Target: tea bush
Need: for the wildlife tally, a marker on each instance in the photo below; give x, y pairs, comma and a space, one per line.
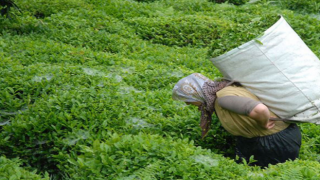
153, 157
301, 6
148, 156
207, 30
86, 88
10, 169
42, 8
236, 2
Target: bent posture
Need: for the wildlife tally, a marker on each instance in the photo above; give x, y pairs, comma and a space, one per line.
244, 116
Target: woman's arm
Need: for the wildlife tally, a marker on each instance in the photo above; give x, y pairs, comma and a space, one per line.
246, 106
261, 113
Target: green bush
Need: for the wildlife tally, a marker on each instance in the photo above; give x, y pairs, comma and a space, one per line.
10, 169
303, 6
96, 76
145, 0
203, 31
145, 156
151, 157
236, 2
42, 8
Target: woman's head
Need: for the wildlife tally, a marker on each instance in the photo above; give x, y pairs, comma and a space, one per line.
189, 89
199, 90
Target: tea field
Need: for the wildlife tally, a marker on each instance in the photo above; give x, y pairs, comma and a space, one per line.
85, 88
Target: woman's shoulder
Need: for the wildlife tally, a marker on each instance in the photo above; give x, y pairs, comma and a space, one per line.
235, 91
232, 89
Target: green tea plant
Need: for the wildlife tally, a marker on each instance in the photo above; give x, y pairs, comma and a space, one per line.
5, 6
236, 2
10, 169
302, 6
149, 156
86, 88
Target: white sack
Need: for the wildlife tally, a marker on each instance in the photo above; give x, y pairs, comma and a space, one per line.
282, 72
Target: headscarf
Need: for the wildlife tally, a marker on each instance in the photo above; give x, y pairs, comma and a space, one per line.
189, 89
198, 88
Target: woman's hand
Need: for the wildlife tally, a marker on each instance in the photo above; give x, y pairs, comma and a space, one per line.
270, 124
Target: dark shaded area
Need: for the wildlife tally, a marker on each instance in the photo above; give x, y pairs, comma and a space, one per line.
6, 5
235, 2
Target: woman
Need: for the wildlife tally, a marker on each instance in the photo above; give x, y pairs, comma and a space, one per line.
244, 116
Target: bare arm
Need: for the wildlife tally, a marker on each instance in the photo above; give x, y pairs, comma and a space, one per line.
262, 115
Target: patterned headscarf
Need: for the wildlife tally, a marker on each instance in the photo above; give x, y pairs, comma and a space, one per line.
198, 88
189, 89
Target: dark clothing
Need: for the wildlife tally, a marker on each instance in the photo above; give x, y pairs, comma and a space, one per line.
271, 149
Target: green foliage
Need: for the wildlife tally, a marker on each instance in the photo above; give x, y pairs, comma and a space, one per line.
145, 0
178, 31
142, 156
42, 8
211, 29
302, 6
10, 169
86, 88
235, 2
291, 170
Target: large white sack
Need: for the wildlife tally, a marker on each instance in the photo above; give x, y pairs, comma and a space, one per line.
282, 72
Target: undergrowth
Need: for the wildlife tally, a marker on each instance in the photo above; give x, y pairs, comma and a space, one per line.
86, 89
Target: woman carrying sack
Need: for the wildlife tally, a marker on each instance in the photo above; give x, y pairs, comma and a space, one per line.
244, 116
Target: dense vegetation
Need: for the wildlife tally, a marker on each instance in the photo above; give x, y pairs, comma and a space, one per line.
86, 89
302, 6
